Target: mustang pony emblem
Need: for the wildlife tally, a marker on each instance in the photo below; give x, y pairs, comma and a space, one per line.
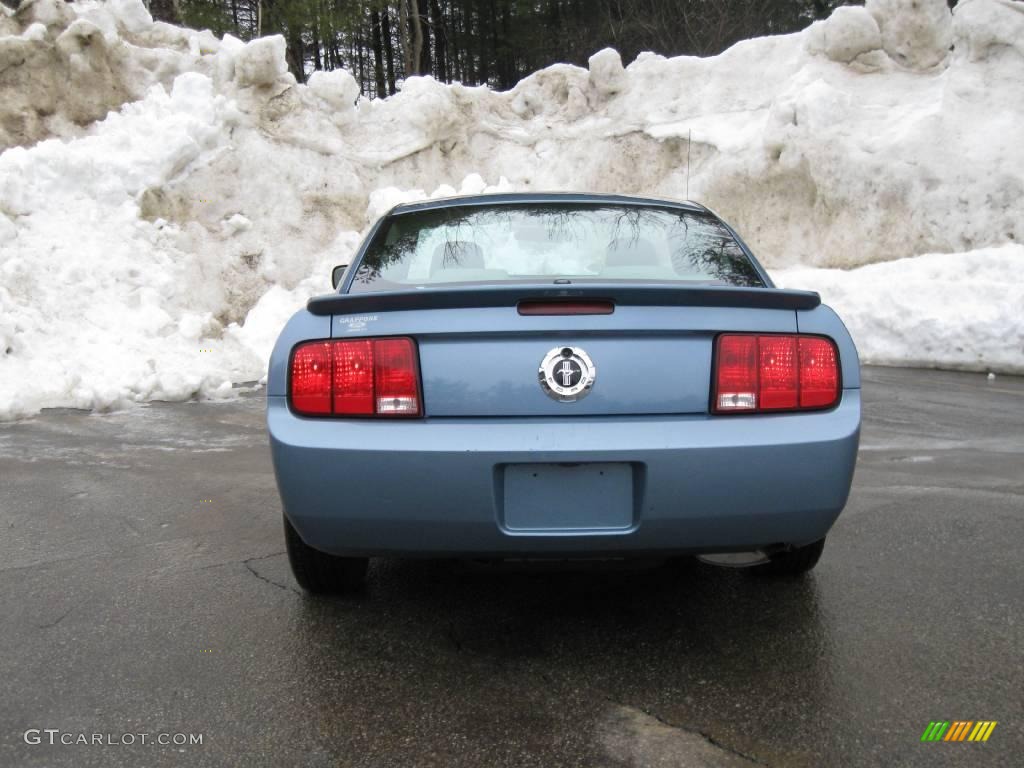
566, 374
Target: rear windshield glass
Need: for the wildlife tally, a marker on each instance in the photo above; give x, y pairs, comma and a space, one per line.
541, 243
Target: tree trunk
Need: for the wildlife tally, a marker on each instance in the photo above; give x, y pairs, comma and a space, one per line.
317, 62
483, 70
403, 37
456, 70
378, 55
364, 85
416, 54
336, 60
296, 55
467, 61
389, 51
440, 41
499, 48
425, 67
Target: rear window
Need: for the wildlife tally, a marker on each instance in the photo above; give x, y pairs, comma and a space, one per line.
540, 243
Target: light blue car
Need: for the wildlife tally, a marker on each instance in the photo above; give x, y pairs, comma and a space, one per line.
530, 376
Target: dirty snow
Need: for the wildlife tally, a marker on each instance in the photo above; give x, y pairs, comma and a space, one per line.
168, 199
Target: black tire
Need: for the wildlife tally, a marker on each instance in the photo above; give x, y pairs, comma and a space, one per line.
792, 562
320, 573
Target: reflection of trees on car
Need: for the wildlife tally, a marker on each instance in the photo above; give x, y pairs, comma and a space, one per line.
689, 245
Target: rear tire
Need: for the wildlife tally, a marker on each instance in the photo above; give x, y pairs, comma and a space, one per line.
320, 573
792, 562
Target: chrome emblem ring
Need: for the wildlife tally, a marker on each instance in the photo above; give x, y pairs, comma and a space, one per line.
567, 374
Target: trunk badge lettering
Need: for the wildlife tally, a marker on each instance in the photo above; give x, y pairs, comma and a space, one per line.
354, 323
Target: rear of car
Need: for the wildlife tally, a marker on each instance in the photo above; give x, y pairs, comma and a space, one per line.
559, 376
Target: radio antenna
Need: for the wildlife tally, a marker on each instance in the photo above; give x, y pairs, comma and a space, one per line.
689, 140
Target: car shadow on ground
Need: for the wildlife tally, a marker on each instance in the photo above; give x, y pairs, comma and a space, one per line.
683, 641
512, 610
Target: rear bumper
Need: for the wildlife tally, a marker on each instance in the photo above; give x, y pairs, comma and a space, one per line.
435, 487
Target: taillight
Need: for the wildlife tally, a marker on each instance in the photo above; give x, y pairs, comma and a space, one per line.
819, 372
353, 391
777, 374
355, 377
736, 386
310, 382
396, 378
774, 372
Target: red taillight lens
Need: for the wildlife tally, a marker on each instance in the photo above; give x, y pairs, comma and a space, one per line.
355, 377
778, 373
774, 372
819, 372
310, 381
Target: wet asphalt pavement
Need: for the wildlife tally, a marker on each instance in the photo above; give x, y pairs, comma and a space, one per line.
144, 589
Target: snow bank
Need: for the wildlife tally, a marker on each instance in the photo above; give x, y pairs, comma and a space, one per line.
167, 199
914, 33
63, 67
955, 310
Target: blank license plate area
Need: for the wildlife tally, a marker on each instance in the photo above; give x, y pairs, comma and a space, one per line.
568, 497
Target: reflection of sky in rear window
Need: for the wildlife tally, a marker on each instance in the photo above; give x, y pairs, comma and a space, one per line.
519, 251
550, 241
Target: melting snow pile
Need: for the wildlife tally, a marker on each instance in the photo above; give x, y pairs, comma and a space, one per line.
167, 199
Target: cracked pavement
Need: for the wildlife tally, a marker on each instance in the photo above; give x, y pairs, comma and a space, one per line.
129, 605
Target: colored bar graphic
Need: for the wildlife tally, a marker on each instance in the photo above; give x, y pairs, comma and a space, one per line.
959, 730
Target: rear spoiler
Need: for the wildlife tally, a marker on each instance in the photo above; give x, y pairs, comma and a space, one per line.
510, 295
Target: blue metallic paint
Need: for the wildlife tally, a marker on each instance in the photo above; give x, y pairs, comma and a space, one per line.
591, 496
674, 370
432, 487
506, 320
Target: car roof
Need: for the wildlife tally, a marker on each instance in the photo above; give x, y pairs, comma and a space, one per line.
512, 198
